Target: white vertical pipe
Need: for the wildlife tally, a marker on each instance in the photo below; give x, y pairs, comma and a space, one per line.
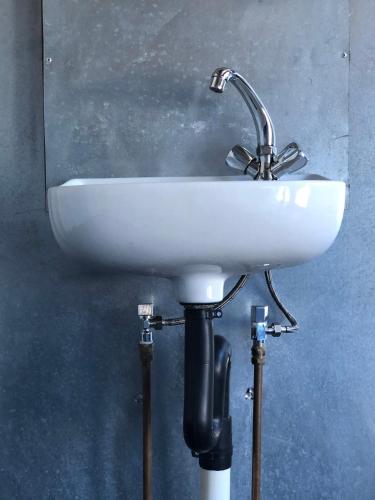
215, 484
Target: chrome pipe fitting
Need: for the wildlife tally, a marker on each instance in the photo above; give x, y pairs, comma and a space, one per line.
145, 314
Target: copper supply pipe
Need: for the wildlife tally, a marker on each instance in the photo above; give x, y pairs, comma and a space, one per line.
146, 354
258, 359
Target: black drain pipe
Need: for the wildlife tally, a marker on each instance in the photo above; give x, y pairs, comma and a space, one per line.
220, 456
200, 431
207, 424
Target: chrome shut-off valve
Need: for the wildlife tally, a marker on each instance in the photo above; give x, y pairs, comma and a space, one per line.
145, 315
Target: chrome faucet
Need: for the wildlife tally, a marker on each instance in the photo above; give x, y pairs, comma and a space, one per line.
265, 164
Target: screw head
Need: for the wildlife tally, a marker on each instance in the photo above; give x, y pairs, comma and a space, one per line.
138, 398
249, 394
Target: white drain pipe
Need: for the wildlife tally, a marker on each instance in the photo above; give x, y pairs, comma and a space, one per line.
215, 484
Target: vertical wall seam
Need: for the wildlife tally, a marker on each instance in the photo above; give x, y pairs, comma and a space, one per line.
43, 107
349, 82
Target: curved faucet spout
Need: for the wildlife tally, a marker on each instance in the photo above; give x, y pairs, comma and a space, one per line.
262, 120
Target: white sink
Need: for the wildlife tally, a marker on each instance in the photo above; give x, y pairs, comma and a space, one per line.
197, 230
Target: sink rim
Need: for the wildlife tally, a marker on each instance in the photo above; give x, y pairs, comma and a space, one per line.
101, 181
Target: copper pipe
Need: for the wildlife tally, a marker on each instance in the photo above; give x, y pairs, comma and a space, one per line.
258, 359
146, 354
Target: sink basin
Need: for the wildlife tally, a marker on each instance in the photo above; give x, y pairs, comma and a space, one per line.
196, 230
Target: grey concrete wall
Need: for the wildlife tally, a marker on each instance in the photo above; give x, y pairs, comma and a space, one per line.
69, 375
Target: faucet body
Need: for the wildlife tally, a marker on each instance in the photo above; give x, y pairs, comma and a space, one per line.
266, 165
265, 130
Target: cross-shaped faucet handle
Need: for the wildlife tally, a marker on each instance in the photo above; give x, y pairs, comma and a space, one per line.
289, 160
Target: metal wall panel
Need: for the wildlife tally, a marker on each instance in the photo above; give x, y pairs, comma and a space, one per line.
127, 83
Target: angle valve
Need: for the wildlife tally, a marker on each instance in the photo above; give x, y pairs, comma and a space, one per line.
260, 327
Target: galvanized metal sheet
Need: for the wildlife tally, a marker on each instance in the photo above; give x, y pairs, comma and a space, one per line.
126, 83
